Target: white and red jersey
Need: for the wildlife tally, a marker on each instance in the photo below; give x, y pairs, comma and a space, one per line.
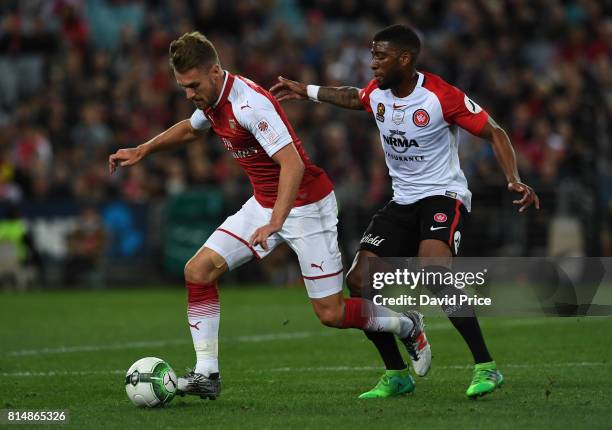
419, 136
253, 127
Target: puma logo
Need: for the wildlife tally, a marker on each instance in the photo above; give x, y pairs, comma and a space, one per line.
194, 325
245, 106
422, 340
318, 266
172, 382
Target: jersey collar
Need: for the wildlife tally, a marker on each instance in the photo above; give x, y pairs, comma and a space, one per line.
419, 83
227, 86
421, 80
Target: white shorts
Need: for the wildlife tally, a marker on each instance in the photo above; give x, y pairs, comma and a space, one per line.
309, 230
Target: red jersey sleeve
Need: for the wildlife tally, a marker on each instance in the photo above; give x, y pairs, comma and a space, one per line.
457, 107
364, 94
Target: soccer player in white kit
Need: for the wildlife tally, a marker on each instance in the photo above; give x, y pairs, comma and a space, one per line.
418, 115
293, 202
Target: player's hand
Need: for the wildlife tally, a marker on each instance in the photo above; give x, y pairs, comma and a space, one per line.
125, 157
260, 236
286, 89
529, 196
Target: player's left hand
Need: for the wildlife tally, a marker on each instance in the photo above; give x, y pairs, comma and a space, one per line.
529, 196
260, 236
125, 157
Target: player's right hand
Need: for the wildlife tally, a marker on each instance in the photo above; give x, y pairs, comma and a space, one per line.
286, 89
529, 197
125, 157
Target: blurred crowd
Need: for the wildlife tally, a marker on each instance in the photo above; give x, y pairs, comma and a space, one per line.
82, 78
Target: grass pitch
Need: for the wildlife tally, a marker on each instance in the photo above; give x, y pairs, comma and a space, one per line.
282, 369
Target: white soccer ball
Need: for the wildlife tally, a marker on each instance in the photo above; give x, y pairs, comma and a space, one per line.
150, 382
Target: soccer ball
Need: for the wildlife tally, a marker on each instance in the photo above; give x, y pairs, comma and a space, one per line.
150, 382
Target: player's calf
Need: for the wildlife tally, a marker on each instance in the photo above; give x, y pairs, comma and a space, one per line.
354, 312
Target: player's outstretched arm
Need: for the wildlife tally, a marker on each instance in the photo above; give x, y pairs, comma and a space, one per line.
507, 160
346, 97
177, 135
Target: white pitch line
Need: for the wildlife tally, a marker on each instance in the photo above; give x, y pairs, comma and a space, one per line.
280, 336
94, 348
439, 325
160, 343
448, 367
52, 373
62, 373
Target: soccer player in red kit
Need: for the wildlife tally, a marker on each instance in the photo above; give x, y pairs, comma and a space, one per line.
418, 115
293, 202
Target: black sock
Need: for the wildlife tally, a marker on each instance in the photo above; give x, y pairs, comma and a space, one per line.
384, 342
387, 348
469, 329
466, 324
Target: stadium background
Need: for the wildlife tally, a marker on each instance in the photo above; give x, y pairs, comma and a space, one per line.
80, 79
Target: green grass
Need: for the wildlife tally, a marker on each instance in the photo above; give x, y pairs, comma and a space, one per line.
558, 371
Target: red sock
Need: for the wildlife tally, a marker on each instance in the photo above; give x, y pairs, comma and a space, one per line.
354, 315
203, 319
202, 300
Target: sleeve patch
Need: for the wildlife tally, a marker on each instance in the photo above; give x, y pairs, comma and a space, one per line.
267, 132
471, 105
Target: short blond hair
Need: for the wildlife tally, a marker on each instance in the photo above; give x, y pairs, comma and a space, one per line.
192, 50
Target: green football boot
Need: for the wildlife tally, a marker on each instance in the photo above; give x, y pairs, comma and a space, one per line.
485, 380
392, 383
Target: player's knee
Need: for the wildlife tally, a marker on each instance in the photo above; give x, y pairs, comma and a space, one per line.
331, 316
200, 271
355, 282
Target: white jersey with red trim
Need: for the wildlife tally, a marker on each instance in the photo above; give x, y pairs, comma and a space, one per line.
253, 127
419, 136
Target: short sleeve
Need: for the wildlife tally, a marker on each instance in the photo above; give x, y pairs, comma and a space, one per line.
199, 121
457, 107
466, 113
364, 94
265, 124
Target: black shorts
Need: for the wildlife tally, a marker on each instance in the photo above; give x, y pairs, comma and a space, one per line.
397, 230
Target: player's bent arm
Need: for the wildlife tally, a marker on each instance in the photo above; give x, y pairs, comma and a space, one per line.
179, 134
507, 160
502, 148
346, 97
291, 173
